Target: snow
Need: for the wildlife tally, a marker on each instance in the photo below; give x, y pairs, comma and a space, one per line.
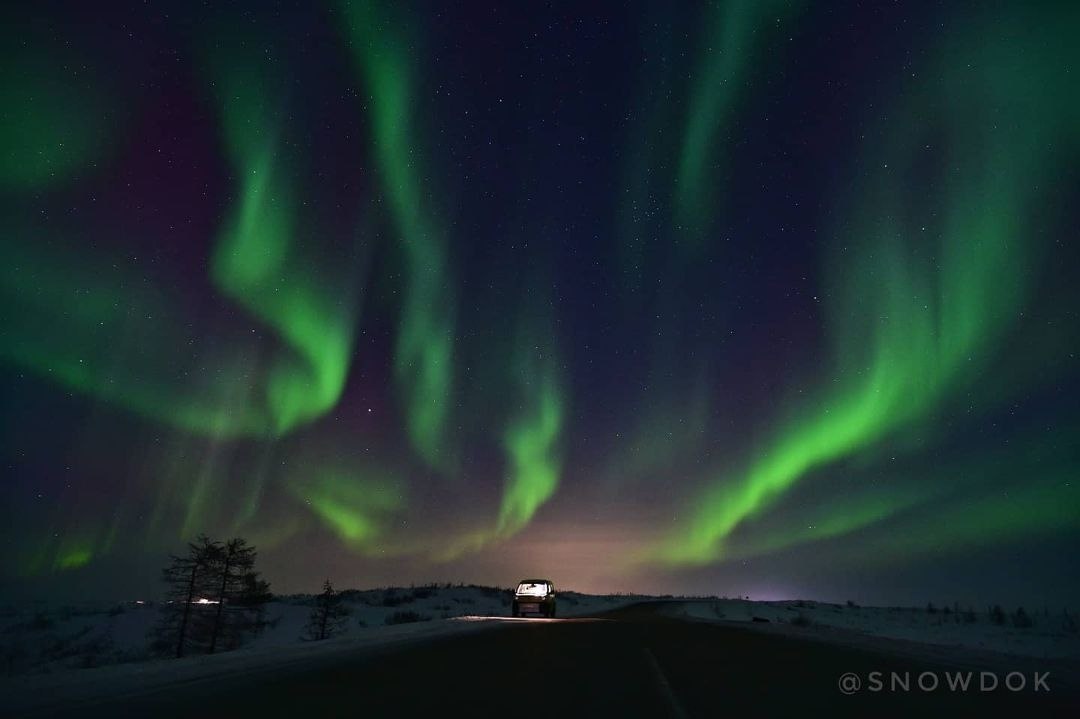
1050, 636
52, 655
48, 682
38, 638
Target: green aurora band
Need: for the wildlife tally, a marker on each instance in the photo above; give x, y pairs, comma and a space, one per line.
257, 262
116, 341
916, 323
736, 30
425, 346
680, 125
672, 189
55, 123
933, 268
531, 440
73, 547
353, 505
934, 508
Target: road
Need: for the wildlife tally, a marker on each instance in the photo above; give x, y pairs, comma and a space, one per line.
627, 664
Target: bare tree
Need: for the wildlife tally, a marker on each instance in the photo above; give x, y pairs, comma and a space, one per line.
189, 580
214, 596
233, 561
327, 615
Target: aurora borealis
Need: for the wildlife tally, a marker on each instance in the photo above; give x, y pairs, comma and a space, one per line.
769, 298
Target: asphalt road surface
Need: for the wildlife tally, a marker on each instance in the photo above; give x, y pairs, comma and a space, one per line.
634, 663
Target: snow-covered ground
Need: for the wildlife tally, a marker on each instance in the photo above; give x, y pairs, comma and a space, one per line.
38, 638
76, 655
1051, 635
45, 692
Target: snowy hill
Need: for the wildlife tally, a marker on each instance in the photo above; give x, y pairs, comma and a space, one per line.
38, 637
1042, 634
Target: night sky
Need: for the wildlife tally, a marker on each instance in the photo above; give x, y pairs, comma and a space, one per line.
763, 298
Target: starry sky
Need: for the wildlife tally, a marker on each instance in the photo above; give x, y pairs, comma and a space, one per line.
756, 297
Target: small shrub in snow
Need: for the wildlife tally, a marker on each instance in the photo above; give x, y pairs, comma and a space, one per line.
801, 620
425, 592
93, 657
41, 622
85, 648
328, 615
392, 599
996, 614
12, 657
406, 616
852, 605
1021, 619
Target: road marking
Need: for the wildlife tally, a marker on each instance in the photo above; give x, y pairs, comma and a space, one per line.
676, 709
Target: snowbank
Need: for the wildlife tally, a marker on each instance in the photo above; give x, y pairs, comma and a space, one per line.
119, 663
76, 653
1049, 636
37, 638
